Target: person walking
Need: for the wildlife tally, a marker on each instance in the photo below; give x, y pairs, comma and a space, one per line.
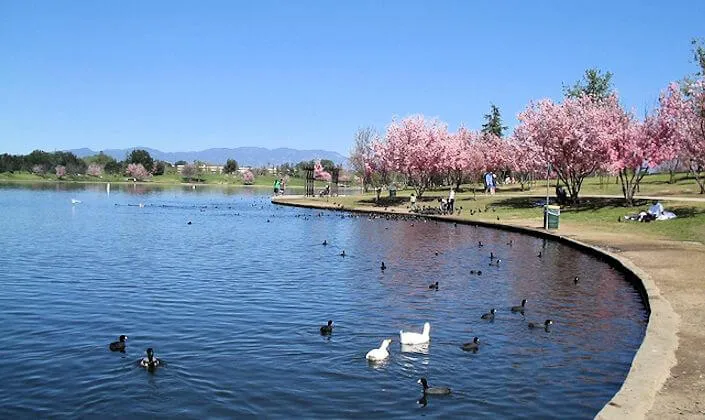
488, 182
451, 200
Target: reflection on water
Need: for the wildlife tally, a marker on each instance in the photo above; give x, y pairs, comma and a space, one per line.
235, 303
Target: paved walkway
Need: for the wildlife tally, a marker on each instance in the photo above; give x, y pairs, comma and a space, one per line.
667, 377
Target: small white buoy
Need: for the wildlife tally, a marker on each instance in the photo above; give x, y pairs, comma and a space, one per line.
74, 201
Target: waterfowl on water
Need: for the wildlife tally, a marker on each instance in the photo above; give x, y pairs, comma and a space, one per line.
472, 346
150, 361
416, 338
540, 254
492, 255
521, 307
189, 222
479, 244
327, 329
433, 286
118, 345
342, 254
325, 242
576, 280
545, 325
383, 267
496, 263
489, 315
436, 390
381, 353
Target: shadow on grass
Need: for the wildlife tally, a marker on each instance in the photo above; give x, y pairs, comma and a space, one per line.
595, 204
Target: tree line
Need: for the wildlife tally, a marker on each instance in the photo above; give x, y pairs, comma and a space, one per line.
589, 132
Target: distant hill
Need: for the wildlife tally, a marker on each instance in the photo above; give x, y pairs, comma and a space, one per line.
245, 156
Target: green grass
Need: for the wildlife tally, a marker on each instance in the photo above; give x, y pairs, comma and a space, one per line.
166, 179
604, 214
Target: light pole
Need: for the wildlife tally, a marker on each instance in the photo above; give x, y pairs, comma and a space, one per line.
545, 214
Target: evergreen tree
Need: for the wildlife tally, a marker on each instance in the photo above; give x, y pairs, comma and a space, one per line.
494, 122
594, 84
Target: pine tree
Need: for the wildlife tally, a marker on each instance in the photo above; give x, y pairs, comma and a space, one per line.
494, 122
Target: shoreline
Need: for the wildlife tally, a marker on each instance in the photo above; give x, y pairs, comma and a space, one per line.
650, 389
166, 184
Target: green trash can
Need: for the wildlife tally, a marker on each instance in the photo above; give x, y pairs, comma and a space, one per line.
392, 191
551, 216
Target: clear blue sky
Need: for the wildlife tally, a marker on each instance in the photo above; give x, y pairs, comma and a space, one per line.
188, 75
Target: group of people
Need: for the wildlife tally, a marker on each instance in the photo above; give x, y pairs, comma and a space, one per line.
655, 212
279, 186
490, 181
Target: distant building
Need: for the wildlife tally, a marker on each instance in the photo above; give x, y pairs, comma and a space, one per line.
211, 169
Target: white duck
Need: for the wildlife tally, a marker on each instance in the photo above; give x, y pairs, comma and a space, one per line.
376, 355
416, 338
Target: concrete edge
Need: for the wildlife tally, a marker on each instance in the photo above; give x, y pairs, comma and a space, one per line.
652, 363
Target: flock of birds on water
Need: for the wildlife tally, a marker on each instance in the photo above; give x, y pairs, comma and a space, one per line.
414, 338
381, 353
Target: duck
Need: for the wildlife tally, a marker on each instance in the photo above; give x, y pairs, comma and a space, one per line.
520, 308
383, 267
511, 242
496, 263
416, 338
189, 223
489, 315
576, 280
479, 272
472, 346
479, 244
545, 324
150, 361
492, 255
342, 254
540, 254
472, 271
436, 390
118, 345
325, 242
433, 286
327, 329
379, 354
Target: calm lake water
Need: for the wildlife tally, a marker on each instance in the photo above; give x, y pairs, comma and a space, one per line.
233, 304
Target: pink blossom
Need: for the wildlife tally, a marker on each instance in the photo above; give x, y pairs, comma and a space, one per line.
137, 171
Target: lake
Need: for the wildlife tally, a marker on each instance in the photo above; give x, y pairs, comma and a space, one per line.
233, 302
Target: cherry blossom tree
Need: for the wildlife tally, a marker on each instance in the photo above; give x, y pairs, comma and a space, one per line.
414, 148
524, 162
319, 173
38, 169
682, 117
94, 169
571, 136
248, 178
138, 171
60, 171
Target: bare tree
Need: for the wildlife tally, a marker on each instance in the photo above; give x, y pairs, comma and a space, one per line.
362, 153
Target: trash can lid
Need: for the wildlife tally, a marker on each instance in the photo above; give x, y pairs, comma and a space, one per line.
554, 207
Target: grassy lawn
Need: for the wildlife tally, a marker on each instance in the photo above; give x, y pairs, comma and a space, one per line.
653, 184
210, 179
598, 213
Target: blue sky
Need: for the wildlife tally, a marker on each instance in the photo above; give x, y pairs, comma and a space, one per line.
189, 75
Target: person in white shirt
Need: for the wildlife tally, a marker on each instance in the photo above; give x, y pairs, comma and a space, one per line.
451, 200
656, 209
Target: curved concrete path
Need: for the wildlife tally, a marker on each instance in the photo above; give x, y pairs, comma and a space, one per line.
667, 376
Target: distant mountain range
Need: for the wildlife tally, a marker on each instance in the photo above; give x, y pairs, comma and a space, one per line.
245, 156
